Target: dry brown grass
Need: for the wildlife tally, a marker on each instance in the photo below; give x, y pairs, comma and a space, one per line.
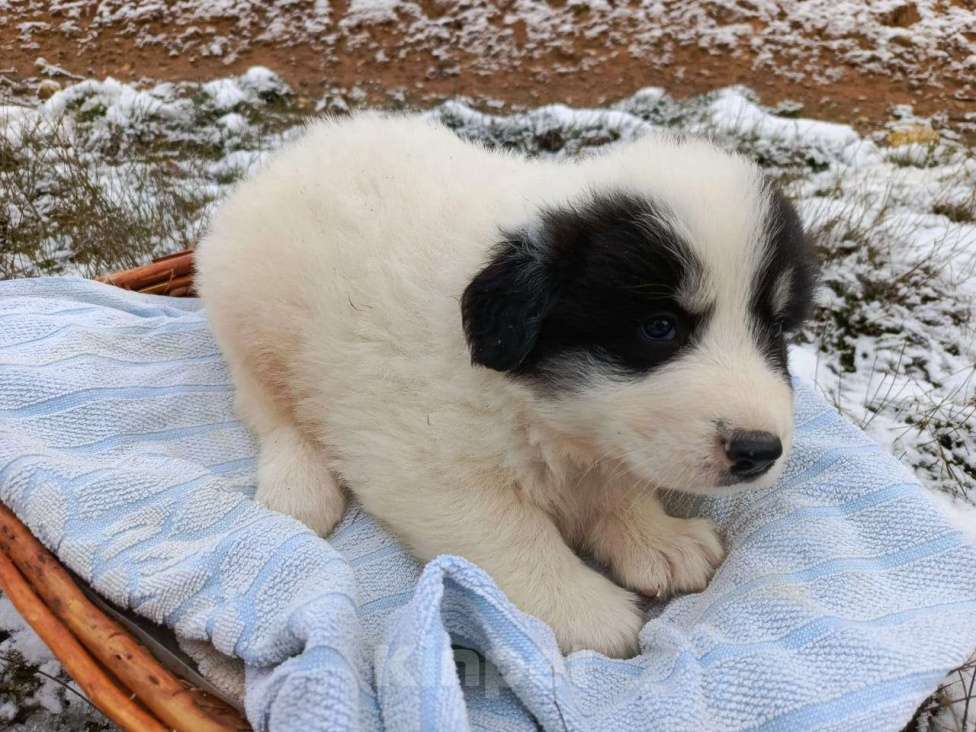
63, 209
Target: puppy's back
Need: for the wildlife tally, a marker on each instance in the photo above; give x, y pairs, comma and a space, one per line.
345, 193
344, 258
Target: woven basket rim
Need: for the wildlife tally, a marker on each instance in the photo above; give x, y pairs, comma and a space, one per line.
170, 275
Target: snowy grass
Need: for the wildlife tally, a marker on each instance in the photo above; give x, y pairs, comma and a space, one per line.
62, 208
104, 176
953, 707
35, 693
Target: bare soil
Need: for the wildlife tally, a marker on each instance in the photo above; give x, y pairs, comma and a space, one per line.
580, 65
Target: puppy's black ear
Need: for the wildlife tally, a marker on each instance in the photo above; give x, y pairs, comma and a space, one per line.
793, 247
505, 304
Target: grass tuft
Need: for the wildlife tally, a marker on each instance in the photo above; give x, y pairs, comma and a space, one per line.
952, 708
64, 210
958, 211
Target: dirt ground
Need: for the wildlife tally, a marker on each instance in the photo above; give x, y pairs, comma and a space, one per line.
501, 52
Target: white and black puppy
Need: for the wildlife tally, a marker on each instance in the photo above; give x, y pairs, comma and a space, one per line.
506, 359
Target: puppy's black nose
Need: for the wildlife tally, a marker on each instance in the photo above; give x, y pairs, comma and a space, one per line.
752, 453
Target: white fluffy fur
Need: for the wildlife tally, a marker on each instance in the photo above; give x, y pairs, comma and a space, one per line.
332, 281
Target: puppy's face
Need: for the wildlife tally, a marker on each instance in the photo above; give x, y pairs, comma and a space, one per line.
651, 331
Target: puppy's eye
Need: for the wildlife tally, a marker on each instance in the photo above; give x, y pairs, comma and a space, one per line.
660, 328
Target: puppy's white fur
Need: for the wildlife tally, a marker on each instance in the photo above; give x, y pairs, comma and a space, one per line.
332, 280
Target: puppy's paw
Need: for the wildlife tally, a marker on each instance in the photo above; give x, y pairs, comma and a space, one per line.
681, 557
600, 616
293, 479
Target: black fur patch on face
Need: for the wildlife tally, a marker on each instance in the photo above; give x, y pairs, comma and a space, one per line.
595, 284
782, 295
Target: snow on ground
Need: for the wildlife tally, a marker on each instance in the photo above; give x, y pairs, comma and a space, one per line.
892, 343
816, 40
35, 694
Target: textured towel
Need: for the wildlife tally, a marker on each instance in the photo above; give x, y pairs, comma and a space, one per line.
845, 598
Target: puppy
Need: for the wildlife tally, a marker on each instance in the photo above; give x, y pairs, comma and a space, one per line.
507, 359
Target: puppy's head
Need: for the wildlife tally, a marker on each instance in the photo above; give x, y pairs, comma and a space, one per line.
649, 321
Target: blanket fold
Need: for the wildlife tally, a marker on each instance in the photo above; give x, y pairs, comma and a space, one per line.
845, 599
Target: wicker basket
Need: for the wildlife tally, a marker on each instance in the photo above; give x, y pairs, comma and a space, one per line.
119, 675
170, 275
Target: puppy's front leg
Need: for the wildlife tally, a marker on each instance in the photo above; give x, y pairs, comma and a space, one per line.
650, 551
520, 547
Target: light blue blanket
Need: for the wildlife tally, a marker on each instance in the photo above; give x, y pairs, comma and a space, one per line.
845, 598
